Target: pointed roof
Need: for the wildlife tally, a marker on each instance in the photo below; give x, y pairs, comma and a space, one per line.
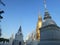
39, 16
20, 29
46, 15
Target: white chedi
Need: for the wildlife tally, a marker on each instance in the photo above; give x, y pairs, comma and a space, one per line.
11, 39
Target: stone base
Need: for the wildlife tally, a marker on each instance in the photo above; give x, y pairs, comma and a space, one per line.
49, 43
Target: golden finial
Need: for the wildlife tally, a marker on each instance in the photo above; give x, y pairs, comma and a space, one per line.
39, 15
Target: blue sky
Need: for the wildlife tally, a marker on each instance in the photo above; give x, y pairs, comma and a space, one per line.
25, 13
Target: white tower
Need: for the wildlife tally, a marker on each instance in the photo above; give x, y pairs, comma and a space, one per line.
11, 39
18, 38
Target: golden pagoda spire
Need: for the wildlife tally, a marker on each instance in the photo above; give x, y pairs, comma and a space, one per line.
39, 25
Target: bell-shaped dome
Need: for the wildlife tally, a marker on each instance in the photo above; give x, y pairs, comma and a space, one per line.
48, 22
47, 19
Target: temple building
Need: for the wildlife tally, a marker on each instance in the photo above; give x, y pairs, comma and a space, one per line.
47, 32
50, 31
18, 38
